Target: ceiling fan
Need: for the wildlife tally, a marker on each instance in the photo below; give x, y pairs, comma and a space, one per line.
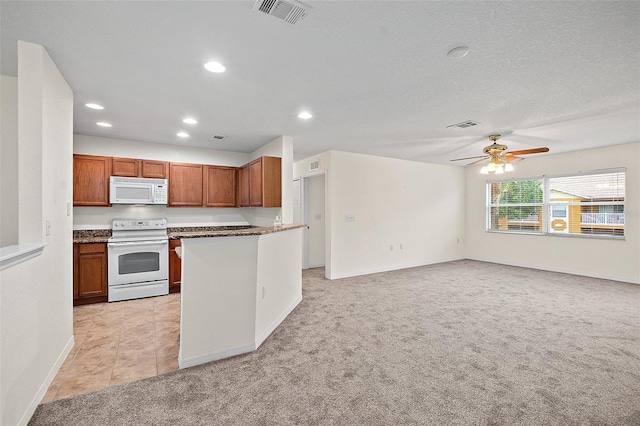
499, 158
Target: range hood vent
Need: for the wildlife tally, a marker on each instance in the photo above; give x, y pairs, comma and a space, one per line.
290, 11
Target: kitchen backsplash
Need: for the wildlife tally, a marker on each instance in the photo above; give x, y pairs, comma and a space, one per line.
101, 217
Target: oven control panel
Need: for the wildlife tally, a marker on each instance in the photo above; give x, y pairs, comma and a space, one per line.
138, 224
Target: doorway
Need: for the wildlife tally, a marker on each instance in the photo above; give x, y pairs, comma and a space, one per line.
310, 208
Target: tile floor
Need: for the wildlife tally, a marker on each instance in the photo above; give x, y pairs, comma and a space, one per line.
119, 342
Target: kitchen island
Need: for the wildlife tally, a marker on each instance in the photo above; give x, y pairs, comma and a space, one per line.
238, 285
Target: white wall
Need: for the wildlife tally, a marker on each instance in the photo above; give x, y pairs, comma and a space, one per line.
235, 292
394, 202
93, 145
101, 217
8, 161
36, 295
282, 147
602, 258
301, 169
279, 280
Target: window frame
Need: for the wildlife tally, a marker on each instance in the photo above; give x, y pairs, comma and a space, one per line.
490, 206
547, 205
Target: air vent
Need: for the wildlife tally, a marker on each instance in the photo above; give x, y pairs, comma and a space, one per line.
314, 165
218, 137
464, 124
290, 11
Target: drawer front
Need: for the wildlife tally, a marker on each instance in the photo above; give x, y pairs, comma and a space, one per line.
93, 248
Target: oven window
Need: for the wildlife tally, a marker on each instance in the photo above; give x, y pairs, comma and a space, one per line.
135, 263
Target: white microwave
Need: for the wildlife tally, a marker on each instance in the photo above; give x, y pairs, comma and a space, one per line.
123, 190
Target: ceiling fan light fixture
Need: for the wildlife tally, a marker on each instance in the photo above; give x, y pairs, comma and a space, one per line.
484, 170
491, 167
499, 169
508, 167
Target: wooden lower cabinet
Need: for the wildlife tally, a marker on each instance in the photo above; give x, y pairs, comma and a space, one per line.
89, 273
175, 267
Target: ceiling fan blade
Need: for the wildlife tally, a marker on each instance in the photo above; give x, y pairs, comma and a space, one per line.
528, 151
478, 161
513, 158
471, 158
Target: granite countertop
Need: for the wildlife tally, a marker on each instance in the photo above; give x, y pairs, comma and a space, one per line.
102, 235
91, 236
225, 231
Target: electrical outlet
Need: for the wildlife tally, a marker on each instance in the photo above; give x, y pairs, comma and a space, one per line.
401, 246
391, 247
264, 292
68, 208
350, 217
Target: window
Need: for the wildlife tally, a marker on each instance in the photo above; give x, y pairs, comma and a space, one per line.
585, 205
516, 205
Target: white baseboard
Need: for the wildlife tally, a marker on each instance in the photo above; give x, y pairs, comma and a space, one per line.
277, 322
388, 269
560, 270
238, 350
47, 382
202, 359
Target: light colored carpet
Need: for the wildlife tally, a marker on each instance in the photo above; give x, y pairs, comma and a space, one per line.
458, 343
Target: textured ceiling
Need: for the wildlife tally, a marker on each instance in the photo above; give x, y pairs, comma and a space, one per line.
375, 75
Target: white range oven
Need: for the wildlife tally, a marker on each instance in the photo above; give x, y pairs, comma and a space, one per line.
138, 259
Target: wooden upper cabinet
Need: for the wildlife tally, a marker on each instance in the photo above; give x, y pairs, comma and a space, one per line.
132, 167
154, 169
91, 180
125, 167
220, 186
243, 186
255, 183
265, 182
185, 185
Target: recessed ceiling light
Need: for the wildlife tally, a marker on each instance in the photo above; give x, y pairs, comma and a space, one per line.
103, 124
216, 67
305, 115
183, 134
94, 106
458, 52
190, 120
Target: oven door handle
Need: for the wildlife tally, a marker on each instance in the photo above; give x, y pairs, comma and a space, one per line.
137, 243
